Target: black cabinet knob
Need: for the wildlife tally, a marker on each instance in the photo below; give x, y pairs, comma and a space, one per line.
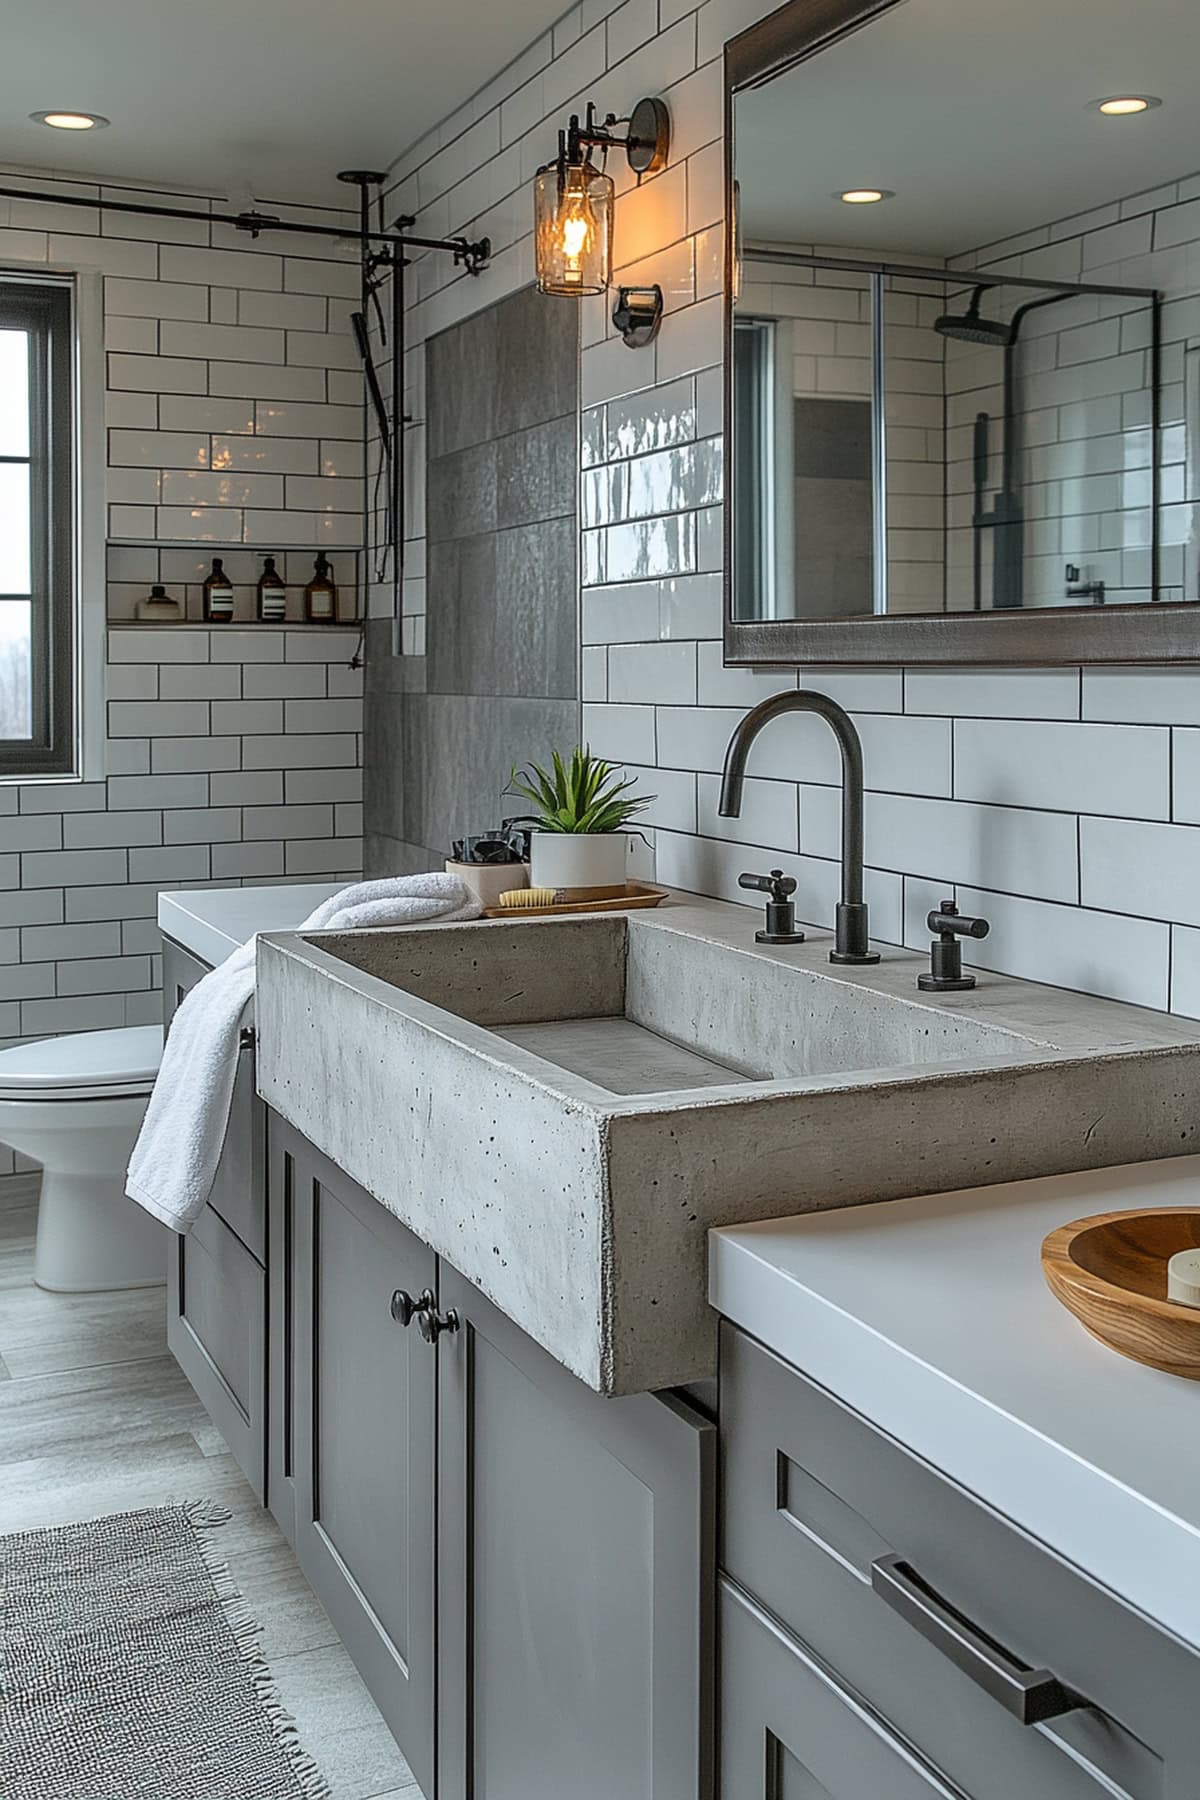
405, 1309
431, 1323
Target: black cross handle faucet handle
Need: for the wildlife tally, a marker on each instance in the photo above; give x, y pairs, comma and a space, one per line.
779, 886
781, 912
945, 972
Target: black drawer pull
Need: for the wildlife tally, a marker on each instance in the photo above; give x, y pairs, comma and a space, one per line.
1030, 1695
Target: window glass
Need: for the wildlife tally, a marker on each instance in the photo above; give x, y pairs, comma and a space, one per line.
16, 687
14, 528
14, 393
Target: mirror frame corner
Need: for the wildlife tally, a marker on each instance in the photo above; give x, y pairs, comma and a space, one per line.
1154, 633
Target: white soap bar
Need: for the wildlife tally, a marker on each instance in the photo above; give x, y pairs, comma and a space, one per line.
1183, 1278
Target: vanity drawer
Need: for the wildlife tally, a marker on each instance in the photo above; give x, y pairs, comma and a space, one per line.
814, 1504
790, 1731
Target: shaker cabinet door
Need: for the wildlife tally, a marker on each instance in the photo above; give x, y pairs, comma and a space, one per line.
575, 1576
357, 1425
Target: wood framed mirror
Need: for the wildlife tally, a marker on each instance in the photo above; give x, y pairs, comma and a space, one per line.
962, 345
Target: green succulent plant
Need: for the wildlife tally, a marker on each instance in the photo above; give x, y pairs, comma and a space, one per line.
585, 794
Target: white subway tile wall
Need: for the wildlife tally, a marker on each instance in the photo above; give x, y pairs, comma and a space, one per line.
228, 421
997, 785
193, 807
226, 386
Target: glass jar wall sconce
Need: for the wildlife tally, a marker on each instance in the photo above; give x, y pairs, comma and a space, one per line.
573, 211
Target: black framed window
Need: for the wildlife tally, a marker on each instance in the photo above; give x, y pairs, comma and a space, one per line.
37, 528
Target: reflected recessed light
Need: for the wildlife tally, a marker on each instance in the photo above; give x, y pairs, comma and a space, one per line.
1123, 106
70, 121
865, 196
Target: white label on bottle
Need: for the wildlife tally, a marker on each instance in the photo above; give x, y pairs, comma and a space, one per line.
321, 602
220, 602
274, 603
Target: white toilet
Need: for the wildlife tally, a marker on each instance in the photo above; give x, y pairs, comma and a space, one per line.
75, 1104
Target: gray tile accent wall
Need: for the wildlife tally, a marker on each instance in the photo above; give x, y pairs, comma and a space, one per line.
499, 681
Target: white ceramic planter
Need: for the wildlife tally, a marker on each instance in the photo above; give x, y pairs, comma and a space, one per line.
577, 859
487, 881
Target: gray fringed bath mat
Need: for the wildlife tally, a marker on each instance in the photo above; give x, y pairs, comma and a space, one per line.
130, 1671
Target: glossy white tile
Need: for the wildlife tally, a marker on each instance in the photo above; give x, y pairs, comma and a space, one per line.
1067, 767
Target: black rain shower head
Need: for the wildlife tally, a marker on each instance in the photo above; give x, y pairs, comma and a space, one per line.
969, 328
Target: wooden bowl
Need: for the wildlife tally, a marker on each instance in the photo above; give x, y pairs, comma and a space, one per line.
1111, 1272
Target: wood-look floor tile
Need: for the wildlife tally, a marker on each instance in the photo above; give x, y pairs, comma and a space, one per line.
359, 1756
209, 1441
91, 1481
118, 1405
290, 1616
43, 1333
18, 1225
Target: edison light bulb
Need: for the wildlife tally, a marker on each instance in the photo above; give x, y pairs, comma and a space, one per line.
573, 229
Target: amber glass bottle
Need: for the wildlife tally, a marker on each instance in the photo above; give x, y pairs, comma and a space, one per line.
320, 596
272, 594
218, 595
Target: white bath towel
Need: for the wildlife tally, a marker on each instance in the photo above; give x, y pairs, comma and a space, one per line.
175, 1159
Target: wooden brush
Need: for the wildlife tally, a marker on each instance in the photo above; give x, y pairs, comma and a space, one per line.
529, 899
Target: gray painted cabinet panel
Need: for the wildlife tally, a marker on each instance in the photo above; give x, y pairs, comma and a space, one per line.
575, 1577
216, 1286
790, 1731
283, 1275
353, 1430
216, 1330
812, 1495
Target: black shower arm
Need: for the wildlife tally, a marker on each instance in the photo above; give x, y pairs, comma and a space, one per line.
1014, 324
1009, 446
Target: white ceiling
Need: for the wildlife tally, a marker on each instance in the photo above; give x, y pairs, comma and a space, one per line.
276, 94
974, 112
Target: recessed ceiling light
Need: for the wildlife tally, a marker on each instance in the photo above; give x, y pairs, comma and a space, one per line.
70, 121
865, 196
1123, 106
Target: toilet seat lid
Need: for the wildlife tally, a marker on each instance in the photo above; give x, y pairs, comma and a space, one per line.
125, 1056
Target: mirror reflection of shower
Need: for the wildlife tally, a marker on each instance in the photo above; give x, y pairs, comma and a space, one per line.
916, 439
1005, 518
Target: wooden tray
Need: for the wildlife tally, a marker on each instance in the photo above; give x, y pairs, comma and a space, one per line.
1111, 1272
632, 895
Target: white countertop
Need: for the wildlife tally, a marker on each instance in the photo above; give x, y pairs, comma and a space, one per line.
212, 922
931, 1318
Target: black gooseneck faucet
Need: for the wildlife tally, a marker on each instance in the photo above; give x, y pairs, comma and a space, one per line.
851, 935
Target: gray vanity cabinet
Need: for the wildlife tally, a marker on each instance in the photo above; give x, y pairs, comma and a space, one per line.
575, 1576
352, 1427
791, 1731
216, 1280
1004, 1670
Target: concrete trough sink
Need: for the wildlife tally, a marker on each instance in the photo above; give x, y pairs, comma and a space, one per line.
563, 1107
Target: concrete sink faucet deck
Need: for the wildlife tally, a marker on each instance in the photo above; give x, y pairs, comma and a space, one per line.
563, 1107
